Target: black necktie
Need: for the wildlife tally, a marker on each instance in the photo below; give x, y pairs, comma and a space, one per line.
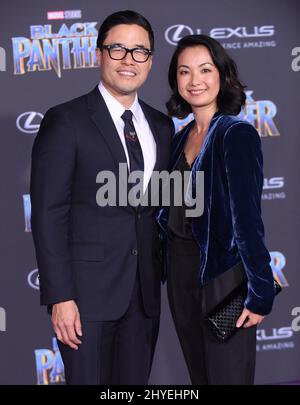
134, 149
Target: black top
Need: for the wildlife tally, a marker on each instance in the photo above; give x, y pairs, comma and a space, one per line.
178, 223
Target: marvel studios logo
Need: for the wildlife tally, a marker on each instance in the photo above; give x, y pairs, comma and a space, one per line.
64, 15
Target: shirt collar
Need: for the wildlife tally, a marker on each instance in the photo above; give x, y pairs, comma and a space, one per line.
116, 109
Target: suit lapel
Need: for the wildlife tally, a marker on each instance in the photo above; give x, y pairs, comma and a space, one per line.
101, 117
154, 129
155, 132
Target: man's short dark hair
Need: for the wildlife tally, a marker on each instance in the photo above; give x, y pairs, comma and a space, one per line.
128, 17
231, 97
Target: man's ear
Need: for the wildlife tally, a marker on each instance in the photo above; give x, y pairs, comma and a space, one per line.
150, 63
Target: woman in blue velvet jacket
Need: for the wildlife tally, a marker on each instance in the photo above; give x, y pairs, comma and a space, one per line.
204, 81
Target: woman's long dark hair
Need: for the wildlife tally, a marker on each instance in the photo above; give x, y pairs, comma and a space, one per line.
231, 97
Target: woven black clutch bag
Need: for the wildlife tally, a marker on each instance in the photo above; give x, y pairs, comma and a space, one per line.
224, 315
222, 319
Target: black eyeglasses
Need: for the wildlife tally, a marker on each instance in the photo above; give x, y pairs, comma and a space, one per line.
119, 52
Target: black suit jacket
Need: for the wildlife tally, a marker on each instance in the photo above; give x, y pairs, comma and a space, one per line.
86, 252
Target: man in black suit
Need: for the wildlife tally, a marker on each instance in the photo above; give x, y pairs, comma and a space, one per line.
100, 265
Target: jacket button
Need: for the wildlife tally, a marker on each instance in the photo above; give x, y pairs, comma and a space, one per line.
134, 252
139, 216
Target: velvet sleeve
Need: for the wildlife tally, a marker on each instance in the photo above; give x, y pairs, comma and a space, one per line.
244, 169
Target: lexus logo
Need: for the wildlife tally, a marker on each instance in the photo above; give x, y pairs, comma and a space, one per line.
33, 279
29, 122
174, 33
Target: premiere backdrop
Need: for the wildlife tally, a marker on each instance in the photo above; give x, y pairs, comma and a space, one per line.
47, 58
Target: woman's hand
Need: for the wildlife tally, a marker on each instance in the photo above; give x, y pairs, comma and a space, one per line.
248, 319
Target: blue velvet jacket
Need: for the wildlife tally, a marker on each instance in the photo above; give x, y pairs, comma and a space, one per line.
230, 230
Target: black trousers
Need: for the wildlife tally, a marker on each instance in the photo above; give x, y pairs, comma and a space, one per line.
114, 352
209, 361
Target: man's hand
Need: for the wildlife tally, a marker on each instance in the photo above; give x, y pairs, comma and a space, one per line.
66, 323
253, 319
